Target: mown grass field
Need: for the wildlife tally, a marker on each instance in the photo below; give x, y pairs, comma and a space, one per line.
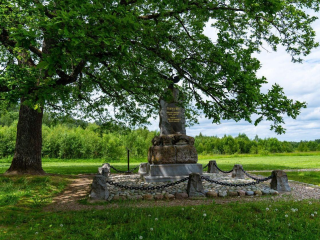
22, 199
310, 160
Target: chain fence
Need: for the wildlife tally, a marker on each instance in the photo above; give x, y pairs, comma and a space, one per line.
120, 171
222, 170
236, 184
250, 176
148, 188
257, 180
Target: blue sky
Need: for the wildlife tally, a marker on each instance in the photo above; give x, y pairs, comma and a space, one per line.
299, 81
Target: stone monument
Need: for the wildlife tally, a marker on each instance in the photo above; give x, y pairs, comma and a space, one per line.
172, 155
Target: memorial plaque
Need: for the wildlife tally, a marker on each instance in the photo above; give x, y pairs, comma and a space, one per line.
172, 119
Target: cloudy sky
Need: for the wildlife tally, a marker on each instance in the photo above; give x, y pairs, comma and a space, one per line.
299, 81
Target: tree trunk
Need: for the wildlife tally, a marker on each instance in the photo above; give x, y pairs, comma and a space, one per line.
27, 156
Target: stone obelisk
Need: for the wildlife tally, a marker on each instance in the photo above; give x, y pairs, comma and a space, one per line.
172, 155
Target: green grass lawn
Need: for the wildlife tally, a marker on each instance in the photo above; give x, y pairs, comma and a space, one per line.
249, 162
22, 199
256, 220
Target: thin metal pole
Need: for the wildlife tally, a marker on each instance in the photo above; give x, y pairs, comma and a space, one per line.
128, 160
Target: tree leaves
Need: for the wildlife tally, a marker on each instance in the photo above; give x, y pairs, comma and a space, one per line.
108, 59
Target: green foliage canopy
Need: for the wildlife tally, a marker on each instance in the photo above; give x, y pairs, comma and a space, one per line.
88, 55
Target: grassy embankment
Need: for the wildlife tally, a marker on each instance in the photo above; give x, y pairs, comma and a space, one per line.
23, 197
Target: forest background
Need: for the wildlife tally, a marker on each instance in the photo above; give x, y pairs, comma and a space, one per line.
68, 138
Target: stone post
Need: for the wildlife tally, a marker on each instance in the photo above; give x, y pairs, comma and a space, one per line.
104, 170
195, 188
144, 169
237, 171
99, 189
279, 181
212, 167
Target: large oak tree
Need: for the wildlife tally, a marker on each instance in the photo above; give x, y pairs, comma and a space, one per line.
108, 59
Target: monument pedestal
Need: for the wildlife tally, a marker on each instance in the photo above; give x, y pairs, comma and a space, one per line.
172, 156
171, 172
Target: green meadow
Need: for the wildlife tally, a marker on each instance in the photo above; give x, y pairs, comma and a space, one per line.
280, 161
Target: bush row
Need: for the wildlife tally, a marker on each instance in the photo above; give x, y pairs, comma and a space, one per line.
242, 144
61, 141
64, 141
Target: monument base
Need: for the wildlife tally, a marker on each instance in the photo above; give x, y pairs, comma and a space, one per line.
171, 172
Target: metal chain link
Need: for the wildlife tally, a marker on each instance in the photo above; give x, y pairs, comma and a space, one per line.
148, 188
117, 170
222, 170
233, 184
205, 166
133, 169
257, 179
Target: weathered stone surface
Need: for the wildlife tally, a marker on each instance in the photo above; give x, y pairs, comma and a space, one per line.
241, 193
148, 196
168, 196
104, 170
257, 192
233, 193
181, 195
279, 181
166, 140
211, 194
172, 139
99, 189
212, 167
237, 171
162, 155
186, 154
181, 139
172, 154
158, 197
265, 192
223, 194
173, 148
195, 188
172, 116
274, 192
249, 193
167, 170
156, 141
144, 169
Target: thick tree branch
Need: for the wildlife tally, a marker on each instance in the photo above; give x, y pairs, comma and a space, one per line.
66, 79
35, 51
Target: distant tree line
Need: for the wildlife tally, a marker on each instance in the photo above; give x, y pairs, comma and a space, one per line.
69, 138
242, 144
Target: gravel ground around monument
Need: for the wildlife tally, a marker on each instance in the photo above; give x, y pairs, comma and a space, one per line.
80, 188
179, 190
